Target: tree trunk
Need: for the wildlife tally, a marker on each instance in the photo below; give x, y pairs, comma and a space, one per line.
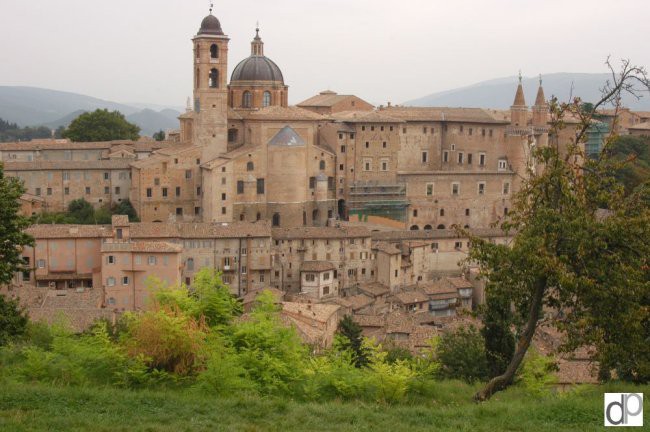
504, 380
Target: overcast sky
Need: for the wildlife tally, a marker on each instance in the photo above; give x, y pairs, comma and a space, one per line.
380, 50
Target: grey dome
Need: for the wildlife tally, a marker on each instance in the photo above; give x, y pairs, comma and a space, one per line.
257, 68
211, 26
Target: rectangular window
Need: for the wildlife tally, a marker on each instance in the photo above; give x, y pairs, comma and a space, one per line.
87, 190
156, 181
384, 144
481, 159
341, 167
481, 188
107, 190
240, 187
149, 192
367, 164
107, 176
310, 277
312, 182
198, 191
243, 269
425, 157
66, 191
151, 260
223, 197
110, 281
125, 280
455, 188
188, 174
458, 245
223, 210
164, 192
342, 149
429, 189
66, 175
384, 165
503, 165
445, 156
260, 186
178, 191
179, 211
37, 191
469, 158
506, 188
460, 158
117, 190
49, 191
111, 259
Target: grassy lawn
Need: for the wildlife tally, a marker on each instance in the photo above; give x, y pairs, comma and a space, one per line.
26, 407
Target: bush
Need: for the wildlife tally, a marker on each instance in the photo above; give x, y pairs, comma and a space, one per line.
13, 320
537, 373
462, 355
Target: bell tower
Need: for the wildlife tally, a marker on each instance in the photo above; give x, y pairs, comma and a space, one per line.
210, 130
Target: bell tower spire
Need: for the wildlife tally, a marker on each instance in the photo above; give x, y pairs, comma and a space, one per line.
257, 46
519, 110
540, 109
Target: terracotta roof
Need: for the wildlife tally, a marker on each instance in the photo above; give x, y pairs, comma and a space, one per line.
316, 266
359, 301
64, 165
321, 312
420, 337
325, 99
437, 114
64, 144
433, 234
459, 283
369, 320
31, 198
200, 230
385, 247
439, 290
320, 232
120, 220
399, 322
410, 297
278, 113
69, 231
365, 117
375, 289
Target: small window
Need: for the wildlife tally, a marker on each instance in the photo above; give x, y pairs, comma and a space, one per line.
503, 165
425, 157
111, 259
247, 99
310, 277
469, 158
213, 78
455, 188
151, 260
429, 189
342, 149
149, 192
506, 188
178, 191
481, 188
460, 158
321, 165
87, 190
445, 156
266, 101
260, 186
125, 280
250, 166
188, 174
179, 211
240, 187
164, 192
466, 212
481, 159
214, 51
276, 219
110, 281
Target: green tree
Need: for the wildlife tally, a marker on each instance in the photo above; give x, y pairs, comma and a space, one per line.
13, 320
635, 152
461, 354
81, 211
351, 338
497, 334
126, 208
12, 226
159, 136
101, 125
569, 256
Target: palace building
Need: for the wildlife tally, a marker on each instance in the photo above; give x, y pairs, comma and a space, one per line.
242, 154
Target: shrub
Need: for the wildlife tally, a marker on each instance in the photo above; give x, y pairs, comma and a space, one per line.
537, 372
167, 341
461, 354
13, 320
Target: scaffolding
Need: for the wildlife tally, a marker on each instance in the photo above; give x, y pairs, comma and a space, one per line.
378, 199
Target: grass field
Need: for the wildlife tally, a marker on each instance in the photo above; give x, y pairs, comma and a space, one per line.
447, 408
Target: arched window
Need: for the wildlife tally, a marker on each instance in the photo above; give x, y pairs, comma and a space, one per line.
414, 228
321, 166
428, 227
214, 51
276, 219
247, 99
441, 226
242, 217
250, 166
466, 227
214, 78
267, 99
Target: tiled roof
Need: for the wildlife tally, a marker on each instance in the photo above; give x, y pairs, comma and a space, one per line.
459, 283
324, 99
436, 114
318, 311
439, 288
64, 144
365, 117
200, 230
278, 113
316, 266
69, 231
64, 165
433, 234
410, 297
120, 220
359, 301
641, 126
320, 232
374, 288
385, 247
141, 246
369, 320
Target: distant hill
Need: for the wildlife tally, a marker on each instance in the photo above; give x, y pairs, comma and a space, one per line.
499, 93
31, 106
